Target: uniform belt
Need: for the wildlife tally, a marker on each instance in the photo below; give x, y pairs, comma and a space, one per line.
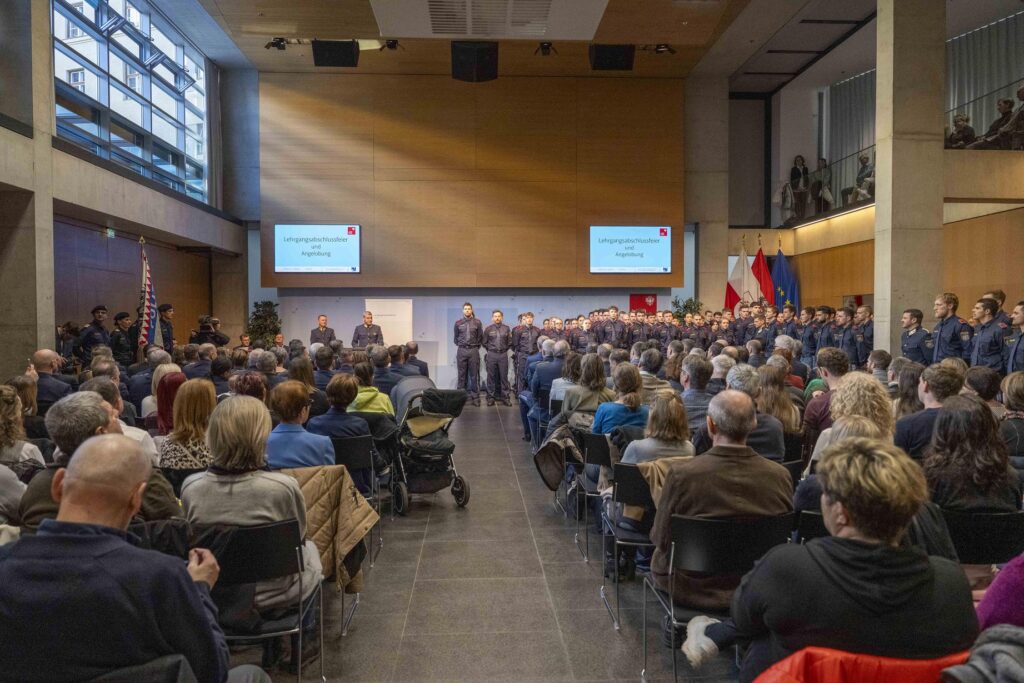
469, 346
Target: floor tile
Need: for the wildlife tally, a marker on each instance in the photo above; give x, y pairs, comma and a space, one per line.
480, 606
478, 560
483, 657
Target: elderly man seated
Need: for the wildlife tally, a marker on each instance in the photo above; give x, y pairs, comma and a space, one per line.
80, 600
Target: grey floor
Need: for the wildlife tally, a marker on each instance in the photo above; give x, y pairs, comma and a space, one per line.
494, 591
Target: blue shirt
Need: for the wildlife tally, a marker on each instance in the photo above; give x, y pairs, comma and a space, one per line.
338, 424
611, 415
292, 446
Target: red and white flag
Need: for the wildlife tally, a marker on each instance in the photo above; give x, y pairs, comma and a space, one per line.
147, 302
742, 285
764, 278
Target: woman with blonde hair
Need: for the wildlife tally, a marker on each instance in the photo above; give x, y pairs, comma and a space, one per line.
667, 434
14, 449
149, 404
185, 446
28, 391
808, 491
237, 490
858, 394
775, 399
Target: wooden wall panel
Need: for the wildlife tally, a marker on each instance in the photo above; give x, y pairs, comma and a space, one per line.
984, 253
828, 275
92, 269
466, 185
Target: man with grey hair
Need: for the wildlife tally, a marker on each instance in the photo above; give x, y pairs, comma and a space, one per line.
768, 437
721, 364
141, 383
201, 368
108, 390
728, 481
788, 343
266, 363
384, 378
70, 422
80, 565
545, 350
544, 373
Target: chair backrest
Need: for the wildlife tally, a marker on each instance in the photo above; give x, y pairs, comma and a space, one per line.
986, 538
167, 669
556, 406
810, 524
630, 487
596, 450
725, 546
177, 477
167, 536
260, 553
354, 452
794, 445
46, 448
795, 468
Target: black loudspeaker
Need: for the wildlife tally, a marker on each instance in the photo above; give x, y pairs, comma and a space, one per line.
474, 61
612, 57
335, 53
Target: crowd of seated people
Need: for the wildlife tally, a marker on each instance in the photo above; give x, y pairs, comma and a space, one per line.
1005, 132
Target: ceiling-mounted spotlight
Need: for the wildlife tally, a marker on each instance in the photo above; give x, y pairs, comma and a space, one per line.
279, 43
662, 48
545, 49
391, 45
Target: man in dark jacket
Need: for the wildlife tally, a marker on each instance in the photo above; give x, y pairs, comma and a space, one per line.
866, 593
49, 388
767, 438
123, 343
201, 368
140, 385
383, 378
412, 350
914, 431
399, 365
82, 566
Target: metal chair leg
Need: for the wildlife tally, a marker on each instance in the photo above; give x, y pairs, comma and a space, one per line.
347, 618
615, 579
585, 550
643, 628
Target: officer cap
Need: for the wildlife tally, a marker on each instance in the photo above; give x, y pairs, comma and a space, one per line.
96, 309
163, 308
122, 315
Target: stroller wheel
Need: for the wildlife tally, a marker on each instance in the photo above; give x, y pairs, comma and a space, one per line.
460, 491
400, 498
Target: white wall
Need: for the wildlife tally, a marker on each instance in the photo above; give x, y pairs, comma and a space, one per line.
794, 131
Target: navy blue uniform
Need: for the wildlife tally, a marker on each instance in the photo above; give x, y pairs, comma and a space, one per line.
779, 328
864, 336
581, 339
809, 341
846, 340
166, 335
613, 332
952, 337
761, 335
497, 343
93, 335
365, 335
917, 345
324, 336
1014, 352
988, 344
524, 343
469, 335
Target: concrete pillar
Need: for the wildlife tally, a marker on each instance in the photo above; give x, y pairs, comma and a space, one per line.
908, 161
706, 183
26, 220
240, 134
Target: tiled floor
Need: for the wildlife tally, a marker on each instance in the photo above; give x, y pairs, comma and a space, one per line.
495, 591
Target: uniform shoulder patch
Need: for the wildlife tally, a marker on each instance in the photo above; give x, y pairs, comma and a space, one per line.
1003, 325
965, 335
1010, 341
928, 343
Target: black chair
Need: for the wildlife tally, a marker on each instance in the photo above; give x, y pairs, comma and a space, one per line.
796, 470
357, 454
167, 536
794, 445
595, 452
543, 398
986, 537
810, 525
715, 547
177, 478
166, 669
46, 448
628, 488
555, 407
263, 553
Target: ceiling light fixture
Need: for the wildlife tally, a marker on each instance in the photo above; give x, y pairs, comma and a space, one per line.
545, 49
279, 43
391, 45
662, 48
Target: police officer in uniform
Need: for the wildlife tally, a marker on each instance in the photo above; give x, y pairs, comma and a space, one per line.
668, 332
989, 343
1014, 354
614, 331
582, 338
122, 343
844, 337
469, 335
524, 343
826, 328
952, 335
165, 335
808, 335
785, 323
366, 334
94, 334
497, 342
916, 342
1000, 297
321, 334
864, 334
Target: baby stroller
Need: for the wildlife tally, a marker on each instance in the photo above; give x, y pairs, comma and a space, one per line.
425, 465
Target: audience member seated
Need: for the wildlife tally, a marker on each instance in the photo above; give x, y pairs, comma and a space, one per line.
615, 357
914, 432
667, 434
983, 382
71, 421
1011, 425
791, 345
994, 138
290, 445
571, 369
966, 465
11, 491
166, 392
16, 453
202, 367
767, 438
50, 390
149, 402
865, 593
102, 367
1003, 602
808, 491
589, 393
722, 364
369, 399
775, 400
140, 382
962, 133
627, 409
412, 350
237, 490
239, 360
832, 364
250, 383
185, 446
399, 366
857, 395
81, 567
220, 375
267, 364
336, 422
755, 358
108, 390
695, 373
27, 388
301, 369
383, 378
730, 480
907, 400
543, 376
878, 364
864, 188
650, 366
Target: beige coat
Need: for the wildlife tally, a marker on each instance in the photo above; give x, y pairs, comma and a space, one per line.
337, 518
